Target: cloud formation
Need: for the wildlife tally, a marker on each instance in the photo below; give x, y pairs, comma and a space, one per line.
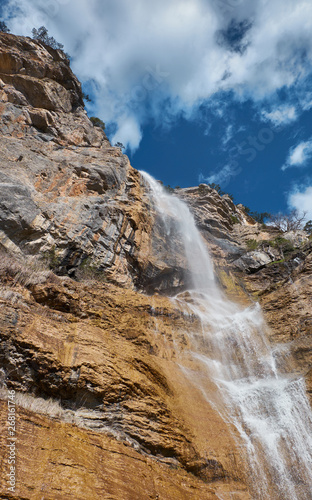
281, 115
221, 177
302, 201
299, 155
146, 63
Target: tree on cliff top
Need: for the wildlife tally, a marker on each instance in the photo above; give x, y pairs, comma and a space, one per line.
288, 222
41, 34
308, 227
3, 27
97, 122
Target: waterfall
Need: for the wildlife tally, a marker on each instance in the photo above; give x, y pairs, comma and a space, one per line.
270, 410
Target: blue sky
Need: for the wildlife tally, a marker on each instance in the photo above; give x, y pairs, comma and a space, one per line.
198, 90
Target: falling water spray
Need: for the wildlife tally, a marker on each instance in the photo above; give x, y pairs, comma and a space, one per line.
270, 410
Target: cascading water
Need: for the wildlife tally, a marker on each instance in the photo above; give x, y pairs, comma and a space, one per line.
269, 409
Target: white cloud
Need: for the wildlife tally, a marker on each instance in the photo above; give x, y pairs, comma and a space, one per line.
154, 62
228, 135
302, 200
281, 115
221, 177
128, 132
299, 155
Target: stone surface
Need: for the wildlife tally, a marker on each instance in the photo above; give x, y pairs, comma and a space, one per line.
253, 261
88, 356
284, 290
60, 461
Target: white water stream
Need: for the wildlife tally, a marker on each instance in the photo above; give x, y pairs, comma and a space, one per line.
270, 410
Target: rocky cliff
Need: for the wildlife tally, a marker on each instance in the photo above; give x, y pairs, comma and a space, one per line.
90, 340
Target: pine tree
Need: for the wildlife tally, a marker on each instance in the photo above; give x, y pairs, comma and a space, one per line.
41, 34
3, 27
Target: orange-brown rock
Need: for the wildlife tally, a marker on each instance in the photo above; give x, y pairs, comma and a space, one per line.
87, 354
58, 461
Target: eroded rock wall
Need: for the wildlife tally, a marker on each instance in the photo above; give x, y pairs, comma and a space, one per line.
66, 193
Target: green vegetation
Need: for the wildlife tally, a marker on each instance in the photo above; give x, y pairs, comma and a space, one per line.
119, 145
276, 262
217, 187
284, 246
308, 227
257, 216
260, 216
86, 97
234, 219
53, 260
41, 34
266, 228
97, 122
282, 243
252, 244
3, 27
87, 271
168, 188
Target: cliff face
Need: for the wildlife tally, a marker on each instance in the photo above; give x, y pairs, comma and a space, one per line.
90, 340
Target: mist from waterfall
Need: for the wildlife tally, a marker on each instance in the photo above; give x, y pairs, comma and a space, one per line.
269, 409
